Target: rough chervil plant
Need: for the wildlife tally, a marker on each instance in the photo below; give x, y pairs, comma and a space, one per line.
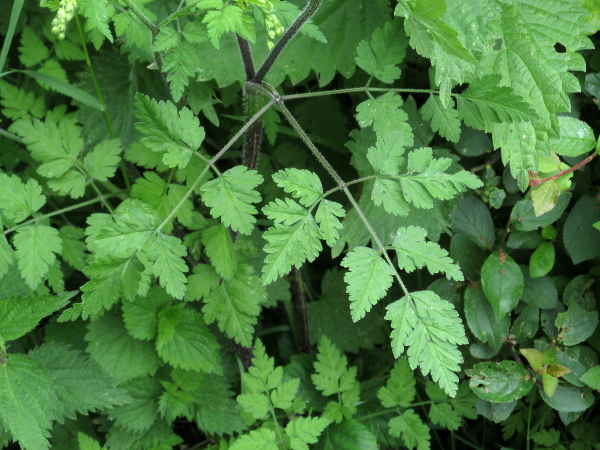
329, 224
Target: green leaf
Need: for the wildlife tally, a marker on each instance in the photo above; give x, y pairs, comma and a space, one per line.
133, 224
525, 219
290, 245
500, 382
261, 439
502, 281
19, 200
332, 374
36, 249
349, 435
174, 134
97, 14
427, 180
142, 410
385, 114
305, 430
368, 278
576, 137
431, 329
101, 163
185, 342
482, 320
219, 249
286, 211
117, 352
399, 389
165, 257
542, 260
330, 316
141, 314
579, 235
230, 198
19, 103
228, 19
386, 50
576, 324
415, 253
444, 118
473, 217
77, 380
485, 102
73, 247
27, 401
302, 184
32, 50
203, 280
235, 304
411, 429
427, 28
592, 378
328, 217
569, 399
386, 156
283, 397
18, 316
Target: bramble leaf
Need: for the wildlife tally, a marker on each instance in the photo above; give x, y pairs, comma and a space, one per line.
230, 197
414, 253
369, 277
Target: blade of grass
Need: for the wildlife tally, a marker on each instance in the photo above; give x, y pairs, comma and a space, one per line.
66, 88
12, 25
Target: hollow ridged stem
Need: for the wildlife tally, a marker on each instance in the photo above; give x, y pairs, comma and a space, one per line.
311, 7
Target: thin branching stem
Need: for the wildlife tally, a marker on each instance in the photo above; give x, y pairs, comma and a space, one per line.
140, 15
58, 212
358, 89
213, 160
343, 186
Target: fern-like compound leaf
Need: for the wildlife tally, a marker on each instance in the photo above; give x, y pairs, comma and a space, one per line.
385, 114
444, 118
165, 257
414, 252
175, 134
230, 198
19, 200
226, 20
411, 429
381, 56
36, 249
431, 330
328, 217
305, 430
290, 245
369, 277
302, 184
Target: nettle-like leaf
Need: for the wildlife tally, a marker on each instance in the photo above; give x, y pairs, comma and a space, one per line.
414, 253
175, 134
28, 403
431, 330
383, 53
230, 197
235, 304
369, 277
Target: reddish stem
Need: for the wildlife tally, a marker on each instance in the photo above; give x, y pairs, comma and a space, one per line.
534, 182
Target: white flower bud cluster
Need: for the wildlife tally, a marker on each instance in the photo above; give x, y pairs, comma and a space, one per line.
274, 28
65, 13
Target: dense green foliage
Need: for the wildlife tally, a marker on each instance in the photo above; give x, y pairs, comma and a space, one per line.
385, 234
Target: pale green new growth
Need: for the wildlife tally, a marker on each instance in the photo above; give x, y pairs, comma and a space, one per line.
414, 253
369, 277
431, 330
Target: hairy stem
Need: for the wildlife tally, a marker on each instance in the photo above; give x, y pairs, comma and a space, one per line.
246, 58
213, 160
340, 182
58, 212
299, 300
359, 89
109, 126
311, 7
